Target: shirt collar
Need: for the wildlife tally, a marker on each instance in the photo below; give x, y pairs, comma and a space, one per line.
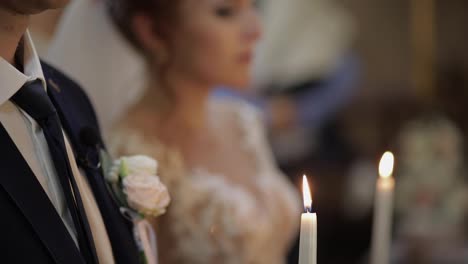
12, 79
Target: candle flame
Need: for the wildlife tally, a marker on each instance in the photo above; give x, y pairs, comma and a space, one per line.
386, 165
307, 195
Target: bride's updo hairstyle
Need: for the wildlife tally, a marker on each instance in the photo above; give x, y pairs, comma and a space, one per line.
163, 14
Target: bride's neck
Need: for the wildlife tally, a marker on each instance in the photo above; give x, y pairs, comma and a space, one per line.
179, 102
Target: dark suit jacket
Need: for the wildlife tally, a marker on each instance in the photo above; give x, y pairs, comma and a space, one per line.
31, 230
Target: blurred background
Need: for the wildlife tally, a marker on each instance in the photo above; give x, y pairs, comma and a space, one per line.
340, 82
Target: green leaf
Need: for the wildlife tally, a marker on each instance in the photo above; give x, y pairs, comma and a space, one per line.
143, 258
123, 168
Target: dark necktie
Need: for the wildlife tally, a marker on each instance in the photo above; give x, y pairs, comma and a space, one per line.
33, 99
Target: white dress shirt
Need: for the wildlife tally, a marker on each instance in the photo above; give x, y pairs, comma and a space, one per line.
29, 138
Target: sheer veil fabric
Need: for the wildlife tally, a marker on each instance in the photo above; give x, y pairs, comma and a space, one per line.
89, 48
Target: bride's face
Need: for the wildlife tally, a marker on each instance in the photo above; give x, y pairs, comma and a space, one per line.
213, 41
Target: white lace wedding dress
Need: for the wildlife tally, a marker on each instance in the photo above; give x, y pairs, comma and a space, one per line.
210, 219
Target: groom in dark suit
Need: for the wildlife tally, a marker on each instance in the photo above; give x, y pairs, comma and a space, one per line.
55, 207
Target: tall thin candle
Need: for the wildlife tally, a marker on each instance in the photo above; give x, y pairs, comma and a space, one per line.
383, 211
308, 239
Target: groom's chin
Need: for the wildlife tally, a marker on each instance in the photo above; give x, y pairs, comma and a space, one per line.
53, 4
31, 7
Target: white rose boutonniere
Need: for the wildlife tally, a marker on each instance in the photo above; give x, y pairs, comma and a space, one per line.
146, 194
134, 180
132, 165
140, 193
138, 165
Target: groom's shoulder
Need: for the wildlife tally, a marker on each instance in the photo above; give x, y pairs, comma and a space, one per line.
59, 81
69, 91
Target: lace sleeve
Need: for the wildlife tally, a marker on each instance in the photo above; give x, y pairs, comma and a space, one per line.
284, 209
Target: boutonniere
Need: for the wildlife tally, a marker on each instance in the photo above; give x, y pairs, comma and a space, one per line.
134, 183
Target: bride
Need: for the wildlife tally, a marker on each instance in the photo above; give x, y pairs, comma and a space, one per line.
230, 203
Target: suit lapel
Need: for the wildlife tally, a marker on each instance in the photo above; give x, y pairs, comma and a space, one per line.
22, 186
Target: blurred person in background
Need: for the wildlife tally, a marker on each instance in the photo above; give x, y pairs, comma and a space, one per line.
230, 202
431, 193
306, 70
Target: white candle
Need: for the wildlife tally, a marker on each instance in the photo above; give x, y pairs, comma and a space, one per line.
308, 239
383, 210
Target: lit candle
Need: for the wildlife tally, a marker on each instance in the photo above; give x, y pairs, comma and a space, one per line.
308, 239
383, 209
